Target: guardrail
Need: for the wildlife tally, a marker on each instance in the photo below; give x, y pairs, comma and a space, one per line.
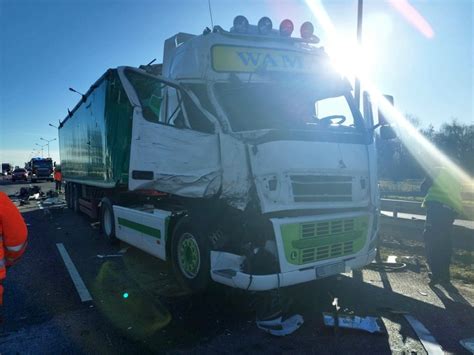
414, 207
402, 225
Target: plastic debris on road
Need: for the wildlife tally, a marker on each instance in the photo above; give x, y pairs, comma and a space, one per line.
281, 327
35, 196
468, 344
392, 259
368, 324
52, 201
101, 256
95, 225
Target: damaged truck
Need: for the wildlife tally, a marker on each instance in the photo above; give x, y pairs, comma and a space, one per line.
243, 159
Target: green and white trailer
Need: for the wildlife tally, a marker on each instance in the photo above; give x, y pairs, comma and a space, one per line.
242, 159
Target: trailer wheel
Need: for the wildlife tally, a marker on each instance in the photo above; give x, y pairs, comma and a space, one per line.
190, 255
68, 193
107, 220
76, 195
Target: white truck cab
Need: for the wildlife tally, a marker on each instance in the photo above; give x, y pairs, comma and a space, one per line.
259, 168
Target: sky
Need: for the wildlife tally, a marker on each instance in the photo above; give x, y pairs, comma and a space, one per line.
47, 46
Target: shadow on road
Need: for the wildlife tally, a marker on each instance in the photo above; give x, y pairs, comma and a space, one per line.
138, 297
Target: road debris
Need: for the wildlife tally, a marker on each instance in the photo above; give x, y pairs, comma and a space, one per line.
392, 259
35, 196
281, 327
101, 256
369, 324
386, 266
123, 250
52, 201
26, 194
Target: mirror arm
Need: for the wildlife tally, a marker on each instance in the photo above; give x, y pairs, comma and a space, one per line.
376, 126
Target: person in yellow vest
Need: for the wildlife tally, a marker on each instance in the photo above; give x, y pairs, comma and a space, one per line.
443, 203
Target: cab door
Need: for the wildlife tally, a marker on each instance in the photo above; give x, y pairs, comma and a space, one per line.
174, 147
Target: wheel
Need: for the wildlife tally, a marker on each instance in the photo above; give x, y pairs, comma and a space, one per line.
76, 195
68, 193
190, 255
33, 181
107, 220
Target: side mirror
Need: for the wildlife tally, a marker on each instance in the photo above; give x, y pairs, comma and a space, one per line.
382, 119
387, 133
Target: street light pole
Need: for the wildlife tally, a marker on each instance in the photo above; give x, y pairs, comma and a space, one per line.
47, 143
42, 146
359, 42
54, 126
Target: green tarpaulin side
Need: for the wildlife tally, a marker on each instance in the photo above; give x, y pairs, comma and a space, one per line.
95, 140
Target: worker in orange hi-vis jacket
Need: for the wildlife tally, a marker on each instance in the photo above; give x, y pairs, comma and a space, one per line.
58, 178
13, 237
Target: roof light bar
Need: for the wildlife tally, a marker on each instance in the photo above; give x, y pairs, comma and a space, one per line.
286, 28
265, 26
307, 30
241, 24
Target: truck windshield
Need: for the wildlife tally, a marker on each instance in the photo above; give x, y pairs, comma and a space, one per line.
257, 106
43, 164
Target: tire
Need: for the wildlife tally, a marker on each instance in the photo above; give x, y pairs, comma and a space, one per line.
68, 193
107, 220
190, 255
76, 195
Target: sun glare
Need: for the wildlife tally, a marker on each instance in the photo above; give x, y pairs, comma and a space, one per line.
355, 61
349, 58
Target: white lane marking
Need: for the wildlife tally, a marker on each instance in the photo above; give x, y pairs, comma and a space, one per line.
76, 278
429, 342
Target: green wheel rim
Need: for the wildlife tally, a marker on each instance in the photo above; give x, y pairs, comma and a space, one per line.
189, 258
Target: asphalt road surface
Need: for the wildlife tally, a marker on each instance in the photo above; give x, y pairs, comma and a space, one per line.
136, 307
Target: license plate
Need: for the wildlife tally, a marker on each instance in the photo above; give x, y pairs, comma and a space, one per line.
332, 269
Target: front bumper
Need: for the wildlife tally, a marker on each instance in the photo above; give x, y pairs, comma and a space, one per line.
225, 269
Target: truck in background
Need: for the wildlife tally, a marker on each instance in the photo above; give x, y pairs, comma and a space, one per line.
40, 169
6, 169
243, 159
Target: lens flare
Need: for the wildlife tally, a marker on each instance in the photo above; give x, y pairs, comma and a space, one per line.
413, 17
428, 156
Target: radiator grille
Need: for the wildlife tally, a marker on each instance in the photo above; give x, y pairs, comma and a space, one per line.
321, 188
313, 241
323, 229
310, 255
